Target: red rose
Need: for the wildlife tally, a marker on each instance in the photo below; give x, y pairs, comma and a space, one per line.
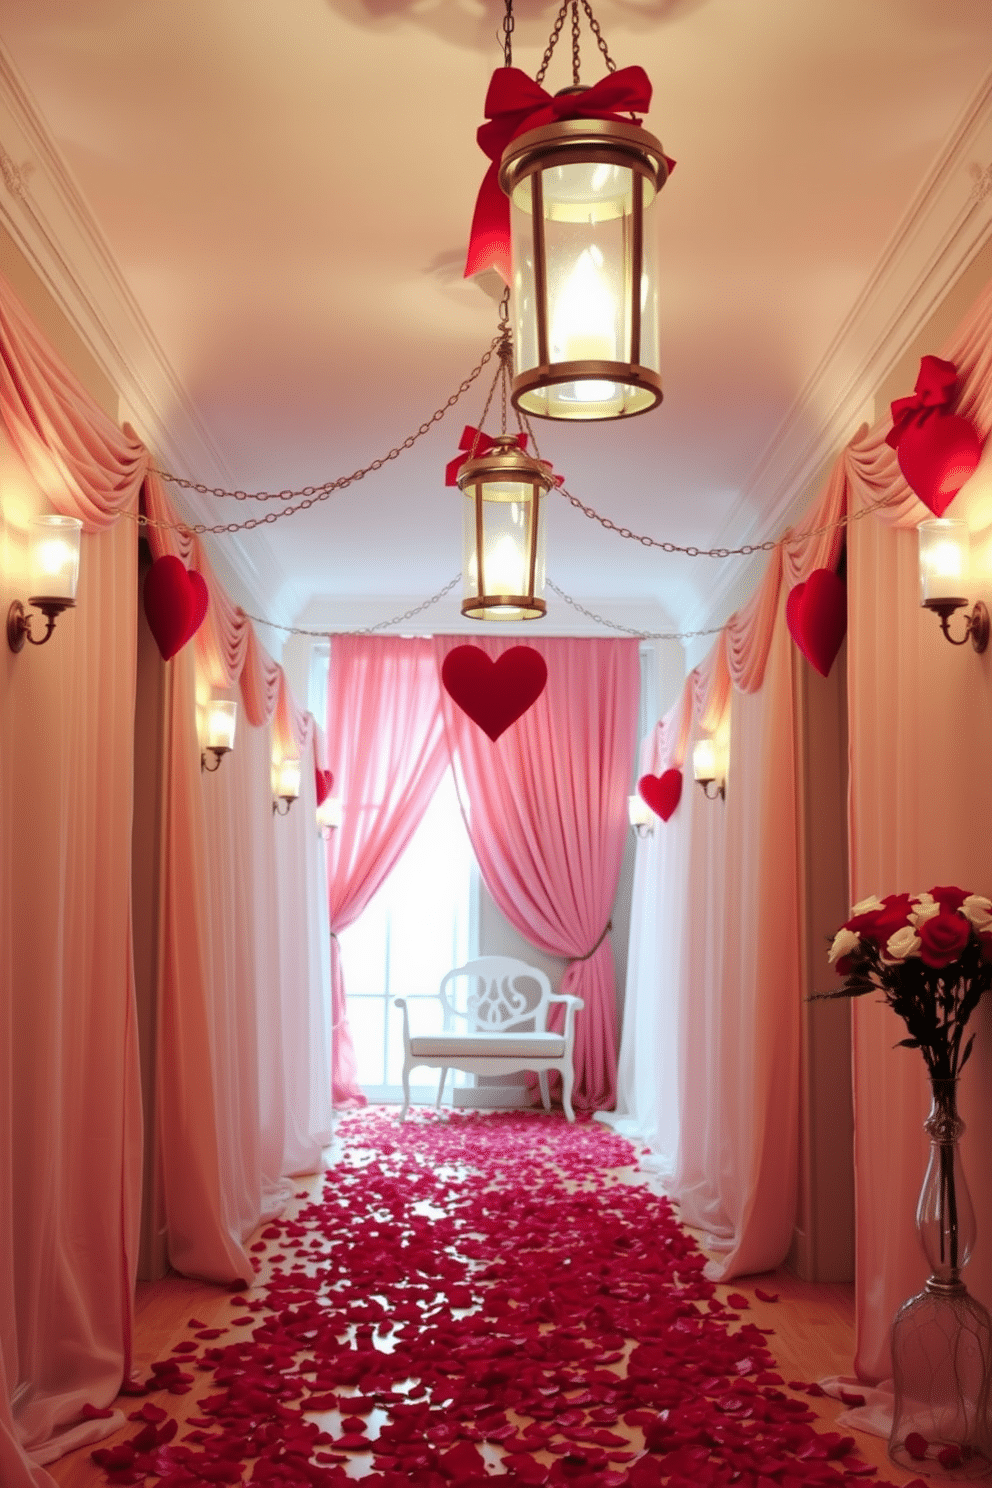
879, 924
950, 898
942, 938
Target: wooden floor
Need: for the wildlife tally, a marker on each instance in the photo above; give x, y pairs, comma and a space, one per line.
813, 1337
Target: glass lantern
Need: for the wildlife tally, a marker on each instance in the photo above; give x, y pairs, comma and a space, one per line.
945, 550
583, 268
222, 719
503, 533
53, 558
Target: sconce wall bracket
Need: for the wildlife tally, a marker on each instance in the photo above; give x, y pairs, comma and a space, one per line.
977, 626
720, 794
19, 621
281, 805
218, 751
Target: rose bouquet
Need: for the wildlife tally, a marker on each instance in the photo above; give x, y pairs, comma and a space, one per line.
930, 955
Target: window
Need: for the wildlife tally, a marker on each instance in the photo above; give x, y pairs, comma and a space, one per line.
421, 923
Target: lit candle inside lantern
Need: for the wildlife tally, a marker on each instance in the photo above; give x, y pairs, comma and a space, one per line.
330, 812
222, 718
54, 557
944, 560
639, 813
287, 778
583, 324
704, 760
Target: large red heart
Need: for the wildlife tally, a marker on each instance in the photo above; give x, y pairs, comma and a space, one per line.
661, 792
937, 456
816, 614
324, 781
494, 694
175, 603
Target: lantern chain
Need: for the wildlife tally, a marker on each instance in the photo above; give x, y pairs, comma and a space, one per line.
552, 40
631, 630
508, 25
575, 43
611, 66
313, 494
364, 629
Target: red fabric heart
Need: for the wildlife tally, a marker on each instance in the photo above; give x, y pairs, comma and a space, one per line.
816, 614
937, 450
324, 781
494, 694
175, 603
661, 792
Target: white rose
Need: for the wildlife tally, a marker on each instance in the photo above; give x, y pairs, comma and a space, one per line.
978, 910
865, 906
845, 941
926, 908
904, 943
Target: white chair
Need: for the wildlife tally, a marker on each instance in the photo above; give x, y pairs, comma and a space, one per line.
506, 1011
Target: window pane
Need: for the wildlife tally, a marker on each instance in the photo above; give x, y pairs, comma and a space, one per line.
416, 928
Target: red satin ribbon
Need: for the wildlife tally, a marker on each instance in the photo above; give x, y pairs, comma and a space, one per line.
474, 444
514, 104
935, 388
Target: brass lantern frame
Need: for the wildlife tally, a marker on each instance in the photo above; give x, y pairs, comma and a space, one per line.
586, 142
505, 462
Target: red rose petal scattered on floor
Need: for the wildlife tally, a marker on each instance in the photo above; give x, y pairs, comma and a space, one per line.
764, 1296
483, 1279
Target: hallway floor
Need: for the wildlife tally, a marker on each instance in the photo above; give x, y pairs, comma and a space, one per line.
474, 1295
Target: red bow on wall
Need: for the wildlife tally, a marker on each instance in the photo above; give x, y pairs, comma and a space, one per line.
935, 388
514, 104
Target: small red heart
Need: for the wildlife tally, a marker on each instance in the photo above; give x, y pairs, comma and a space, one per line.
661, 792
494, 694
816, 614
324, 781
937, 456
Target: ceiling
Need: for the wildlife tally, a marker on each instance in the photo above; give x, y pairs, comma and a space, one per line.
256, 212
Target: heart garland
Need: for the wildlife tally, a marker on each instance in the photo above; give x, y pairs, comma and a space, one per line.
324, 783
661, 792
494, 694
816, 614
937, 450
176, 603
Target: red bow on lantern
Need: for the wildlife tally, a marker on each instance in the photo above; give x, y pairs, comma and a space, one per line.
514, 104
935, 388
475, 443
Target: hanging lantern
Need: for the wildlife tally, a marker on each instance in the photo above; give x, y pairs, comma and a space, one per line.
583, 268
503, 532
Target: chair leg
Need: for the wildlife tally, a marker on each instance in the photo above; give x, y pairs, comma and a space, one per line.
567, 1080
440, 1088
542, 1080
406, 1091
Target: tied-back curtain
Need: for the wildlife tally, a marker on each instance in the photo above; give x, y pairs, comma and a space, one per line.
545, 807
387, 753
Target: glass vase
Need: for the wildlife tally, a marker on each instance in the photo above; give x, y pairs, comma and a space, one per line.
942, 1338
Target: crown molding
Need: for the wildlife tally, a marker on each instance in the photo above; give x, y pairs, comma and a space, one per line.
48, 219
945, 227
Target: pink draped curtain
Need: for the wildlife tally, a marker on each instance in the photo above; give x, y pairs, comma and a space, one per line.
545, 808
714, 976
241, 1096
920, 719
70, 1130
387, 752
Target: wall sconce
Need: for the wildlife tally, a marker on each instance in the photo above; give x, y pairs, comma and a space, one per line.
640, 816
53, 559
222, 718
330, 814
286, 784
706, 769
945, 554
